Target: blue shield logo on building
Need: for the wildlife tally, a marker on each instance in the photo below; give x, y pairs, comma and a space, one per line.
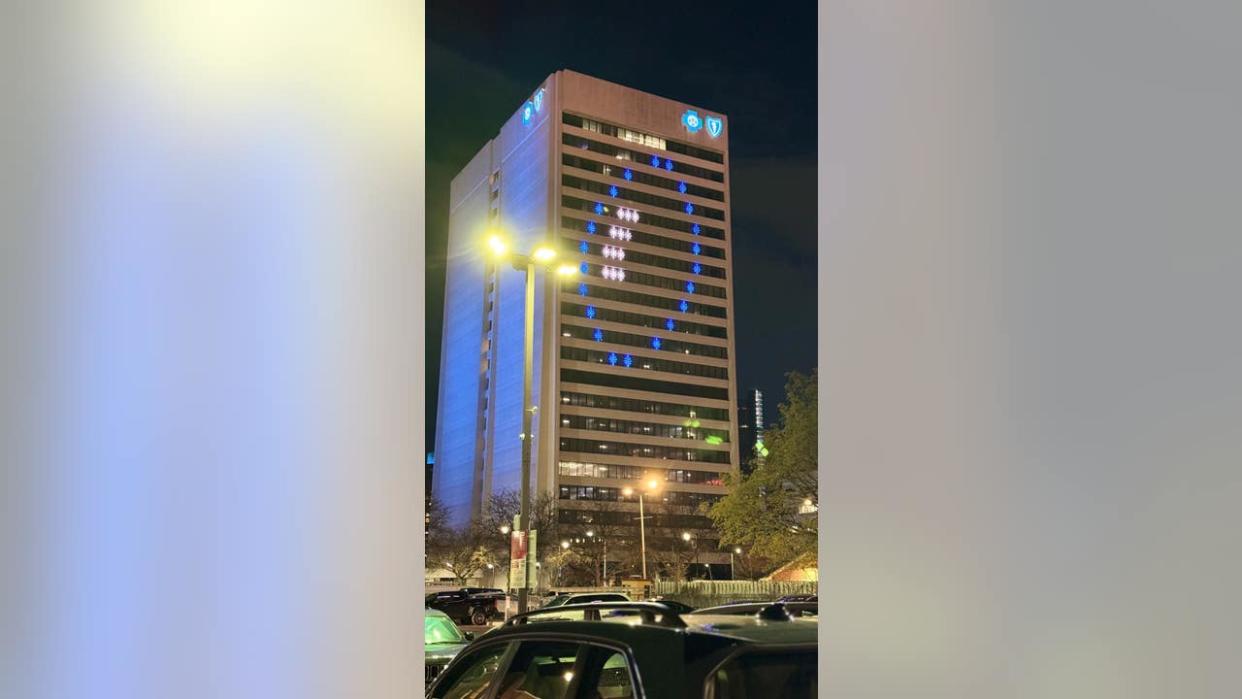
539, 100
692, 121
714, 126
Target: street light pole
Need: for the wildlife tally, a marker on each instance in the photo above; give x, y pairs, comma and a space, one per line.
527, 414
642, 533
545, 256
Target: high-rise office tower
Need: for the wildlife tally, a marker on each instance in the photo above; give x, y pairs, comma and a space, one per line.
634, 374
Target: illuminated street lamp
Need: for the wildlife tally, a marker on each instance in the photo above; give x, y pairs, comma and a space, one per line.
652, 486
543, 256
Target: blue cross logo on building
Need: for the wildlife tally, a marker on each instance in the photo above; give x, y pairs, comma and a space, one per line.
528, 111
692, 120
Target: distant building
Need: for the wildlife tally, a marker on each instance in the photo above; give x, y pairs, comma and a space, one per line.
634, 369
750, 427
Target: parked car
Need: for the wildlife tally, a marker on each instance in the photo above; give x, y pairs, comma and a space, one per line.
679, 607
442, 640
469, 605
792, 609
653, 653
799, 598
570, 598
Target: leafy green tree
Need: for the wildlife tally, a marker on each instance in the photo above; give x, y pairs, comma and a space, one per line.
766, 512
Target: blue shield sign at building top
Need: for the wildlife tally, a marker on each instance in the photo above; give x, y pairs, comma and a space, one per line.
714, 126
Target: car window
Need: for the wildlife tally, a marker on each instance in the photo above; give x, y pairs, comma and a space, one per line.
470, 677
540, 670
439, 629
786, 674
607, 676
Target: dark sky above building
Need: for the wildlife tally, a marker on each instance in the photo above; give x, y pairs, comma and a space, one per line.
755, 62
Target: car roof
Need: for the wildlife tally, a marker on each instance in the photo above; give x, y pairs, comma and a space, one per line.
753, 629
436, 612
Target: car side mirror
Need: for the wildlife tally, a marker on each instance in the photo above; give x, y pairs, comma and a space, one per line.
469, 635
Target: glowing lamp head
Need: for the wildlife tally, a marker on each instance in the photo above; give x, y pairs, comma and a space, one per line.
627, 492
738, 550
504, 529
653, 484
543, 253
590, 533
685, 536
566, 270
564, 544
496, 243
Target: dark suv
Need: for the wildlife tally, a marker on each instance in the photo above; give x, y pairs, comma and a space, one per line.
469, 605
636, 649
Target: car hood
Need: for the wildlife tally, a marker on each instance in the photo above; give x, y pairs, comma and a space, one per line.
443, 652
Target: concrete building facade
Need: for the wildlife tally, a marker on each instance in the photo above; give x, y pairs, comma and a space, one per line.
634, 358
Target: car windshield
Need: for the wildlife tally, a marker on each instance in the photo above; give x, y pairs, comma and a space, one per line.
557, 601
438, 629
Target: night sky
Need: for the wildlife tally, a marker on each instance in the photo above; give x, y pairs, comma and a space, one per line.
755, 62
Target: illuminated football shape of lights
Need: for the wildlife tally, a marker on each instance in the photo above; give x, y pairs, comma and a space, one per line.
695, 229
689, 208
628, 361
629, 175
668, 322
584, 268
681, 187
690, 287
590, 311
696, 248
696, 268
582, 288
684, 305
655, 161
655, 342
599, 335
583, 247
612, 191
590, 227
612, 358
668, 165
599, 208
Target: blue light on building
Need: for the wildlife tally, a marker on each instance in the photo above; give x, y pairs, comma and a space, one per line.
584, 247
681, 187
692, 121
689, 287
582, 289
695, 229
590, 227
584, 268
612, 358
696, 248
528, 111
689, 208
669, 324
684, 305
655, 342
696, 268
668, 165
599, 209
714, 126
590, 312
612, 191
598, 335
655, 161
628, 361
629, 174
539, 100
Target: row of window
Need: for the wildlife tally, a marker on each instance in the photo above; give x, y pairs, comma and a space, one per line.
603, 228
578, 354
647, 429
644, 451
613, 494
615, 131
667, 345
569, 515
634, 405
635, 383
637, 257
633, 195
641, 299
636, 277
654, 220
633, 473
641, 177
644, 321
625, 156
